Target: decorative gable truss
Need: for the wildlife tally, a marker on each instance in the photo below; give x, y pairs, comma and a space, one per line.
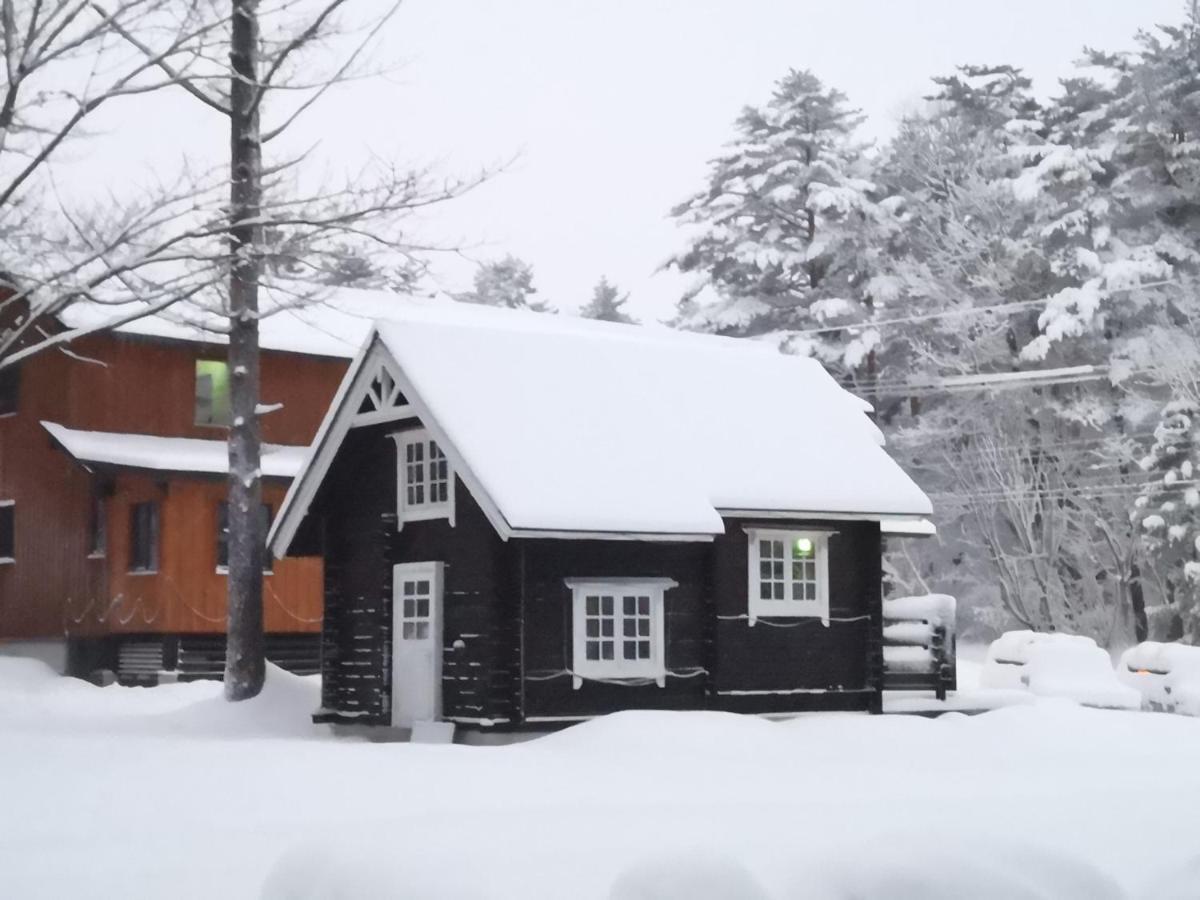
382, 400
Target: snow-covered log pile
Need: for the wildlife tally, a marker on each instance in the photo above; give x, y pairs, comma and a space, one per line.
918, 638
1057, 665
1167, 676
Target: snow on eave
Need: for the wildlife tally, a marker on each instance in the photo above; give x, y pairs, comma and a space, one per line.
908, 527
166, 454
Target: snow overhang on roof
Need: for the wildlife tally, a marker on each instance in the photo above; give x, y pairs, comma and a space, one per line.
330, 323
167, 454
907, 527
566, 426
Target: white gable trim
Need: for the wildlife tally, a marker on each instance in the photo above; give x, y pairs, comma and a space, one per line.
342, 416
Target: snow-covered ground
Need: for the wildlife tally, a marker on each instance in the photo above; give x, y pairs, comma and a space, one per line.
169, 792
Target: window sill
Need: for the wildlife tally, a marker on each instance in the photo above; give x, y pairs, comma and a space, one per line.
97, 556
789, 611
7, 561
224, 570
658, 676
142, 572
424, 515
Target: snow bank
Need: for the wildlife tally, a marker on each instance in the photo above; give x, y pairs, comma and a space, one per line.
711, 874
1166, 676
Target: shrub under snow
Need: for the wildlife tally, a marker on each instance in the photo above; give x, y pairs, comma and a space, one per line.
1057, 665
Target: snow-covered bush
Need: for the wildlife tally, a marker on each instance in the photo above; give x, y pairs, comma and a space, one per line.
1167, 676
1008, 655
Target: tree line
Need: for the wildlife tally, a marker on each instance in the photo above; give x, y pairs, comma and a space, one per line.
995, 233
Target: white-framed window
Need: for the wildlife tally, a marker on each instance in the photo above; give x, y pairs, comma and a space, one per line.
789, 573
424, 479
618, 630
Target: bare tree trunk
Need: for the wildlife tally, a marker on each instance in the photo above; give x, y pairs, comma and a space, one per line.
244, 661
1137, 601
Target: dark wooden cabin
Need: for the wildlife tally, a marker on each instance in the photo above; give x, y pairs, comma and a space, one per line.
112, 483
530, 520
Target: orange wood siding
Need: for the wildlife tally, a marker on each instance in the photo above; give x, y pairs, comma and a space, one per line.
186, 595
53, 497
148, 387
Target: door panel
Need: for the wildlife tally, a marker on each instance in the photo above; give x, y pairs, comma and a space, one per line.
416, 643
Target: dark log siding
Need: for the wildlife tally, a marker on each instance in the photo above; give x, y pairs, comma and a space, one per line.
754, 664
548, 686
356, 636
358, 505
508, 611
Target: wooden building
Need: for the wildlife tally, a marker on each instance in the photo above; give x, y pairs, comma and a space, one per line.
113, 474
529, 520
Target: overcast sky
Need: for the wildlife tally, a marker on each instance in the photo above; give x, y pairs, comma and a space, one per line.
613, 107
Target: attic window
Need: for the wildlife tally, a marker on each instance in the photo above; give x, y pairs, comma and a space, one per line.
618, 629
789, 573
424, 478
212, 393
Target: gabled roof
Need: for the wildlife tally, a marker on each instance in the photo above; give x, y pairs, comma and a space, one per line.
167, 454
566, 426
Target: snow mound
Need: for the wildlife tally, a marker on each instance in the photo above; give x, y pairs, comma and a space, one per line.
1009, 653
696, 875
1166, 676
1078, 672
653, 731
283, 709
1056, 665
981, 867
22, 674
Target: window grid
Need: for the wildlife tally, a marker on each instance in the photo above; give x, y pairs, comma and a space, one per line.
425, 476
619, 629
416, 597
788, 573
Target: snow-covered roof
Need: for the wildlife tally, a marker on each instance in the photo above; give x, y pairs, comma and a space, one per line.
560, 424
334, 324
168, 454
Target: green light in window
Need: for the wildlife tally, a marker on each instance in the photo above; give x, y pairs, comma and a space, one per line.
804, 547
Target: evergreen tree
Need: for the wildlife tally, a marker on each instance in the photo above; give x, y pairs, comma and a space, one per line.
506, 282
1168, 514
786, 231
606, 304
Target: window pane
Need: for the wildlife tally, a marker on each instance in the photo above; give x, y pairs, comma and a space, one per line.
593, 605
644, 628
778, 590
592, 628
8, 532
644, 649
606, 651
410, 608
212, 392
423, 588
606, 605
630, 650
593, 650
10, 389
630, 627
643, 606
422, 630
630, 604
764, 590
606, 627
407, 631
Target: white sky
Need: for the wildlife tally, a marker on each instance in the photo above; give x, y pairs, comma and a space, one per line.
615, 106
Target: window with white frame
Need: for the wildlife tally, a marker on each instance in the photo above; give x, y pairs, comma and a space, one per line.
424, 478
789, 573
618, 628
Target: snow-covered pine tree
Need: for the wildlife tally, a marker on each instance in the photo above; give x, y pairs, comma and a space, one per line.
784, 235
606, 304
1168, 515
506, 282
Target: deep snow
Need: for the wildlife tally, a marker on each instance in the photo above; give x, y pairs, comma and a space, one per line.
170, 792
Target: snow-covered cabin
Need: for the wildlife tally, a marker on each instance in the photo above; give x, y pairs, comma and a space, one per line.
113, 469
531, 519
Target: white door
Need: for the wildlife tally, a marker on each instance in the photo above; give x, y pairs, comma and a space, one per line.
416, 643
